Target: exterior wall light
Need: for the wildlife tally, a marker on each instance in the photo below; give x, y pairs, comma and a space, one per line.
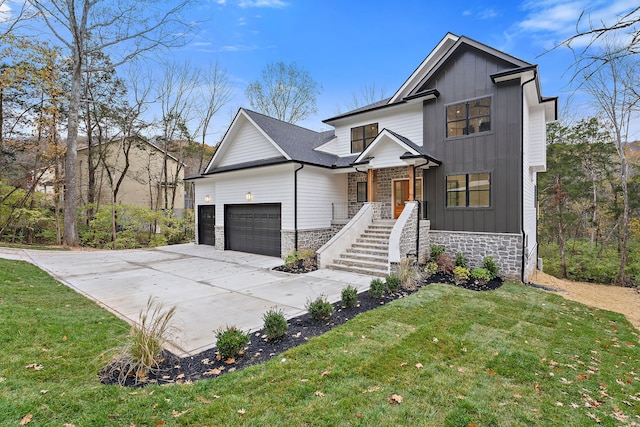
207, 198
248, 196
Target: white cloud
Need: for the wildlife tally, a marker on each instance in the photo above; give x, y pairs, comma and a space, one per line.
221, 2
467, 13
277, 4
487, 14
5, 12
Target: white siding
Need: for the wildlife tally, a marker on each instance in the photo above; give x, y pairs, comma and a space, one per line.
403, 120
266, 185
528, 183
537, 139
386, 154
317, 190
248, 144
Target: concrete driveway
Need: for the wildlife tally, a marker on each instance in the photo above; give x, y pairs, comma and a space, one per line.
210, 288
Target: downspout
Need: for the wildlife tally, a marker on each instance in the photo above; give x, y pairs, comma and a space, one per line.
522, 172
295, 205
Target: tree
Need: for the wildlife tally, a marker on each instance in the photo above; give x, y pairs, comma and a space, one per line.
368, 95
611, 81
286, 92
123, 29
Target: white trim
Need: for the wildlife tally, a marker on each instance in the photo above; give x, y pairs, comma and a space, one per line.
425, 67
384, 132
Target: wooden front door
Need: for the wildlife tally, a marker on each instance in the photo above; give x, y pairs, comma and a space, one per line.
401, 194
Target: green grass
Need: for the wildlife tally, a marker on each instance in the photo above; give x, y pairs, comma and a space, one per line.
515, 356
37, 247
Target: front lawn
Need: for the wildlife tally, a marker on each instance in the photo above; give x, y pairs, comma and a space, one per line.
442, 356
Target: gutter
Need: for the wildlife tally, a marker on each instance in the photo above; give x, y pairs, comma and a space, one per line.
295, 204
535, 72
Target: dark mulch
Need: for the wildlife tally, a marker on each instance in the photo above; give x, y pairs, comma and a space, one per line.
204, 365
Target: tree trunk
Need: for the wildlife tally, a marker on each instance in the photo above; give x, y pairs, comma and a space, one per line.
71, 184
622, 278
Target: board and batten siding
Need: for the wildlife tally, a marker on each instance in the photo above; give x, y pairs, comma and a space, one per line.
317, 190
273, 184
404, 120
465, 76
248, 144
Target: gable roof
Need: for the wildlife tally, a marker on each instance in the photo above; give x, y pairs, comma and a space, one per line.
295, 143
412, 150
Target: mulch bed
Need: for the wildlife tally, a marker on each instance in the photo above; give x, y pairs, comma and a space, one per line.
175, 370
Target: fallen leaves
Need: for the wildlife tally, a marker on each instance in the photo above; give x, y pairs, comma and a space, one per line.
395, 399
34, 366
318, 393
26, 419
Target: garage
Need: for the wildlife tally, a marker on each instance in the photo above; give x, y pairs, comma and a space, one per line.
207, 225
253, 228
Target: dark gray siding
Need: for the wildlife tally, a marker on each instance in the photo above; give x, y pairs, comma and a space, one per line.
466, 75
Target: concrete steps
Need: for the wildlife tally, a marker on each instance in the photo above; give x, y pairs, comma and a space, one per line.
369, 254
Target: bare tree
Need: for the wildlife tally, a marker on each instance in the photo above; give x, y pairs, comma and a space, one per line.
598, 31
285, 91
368, 94
611, 81
124, 29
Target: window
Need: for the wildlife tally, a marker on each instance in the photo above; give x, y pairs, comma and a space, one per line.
362, 136
469, 117
361, 195
470, 190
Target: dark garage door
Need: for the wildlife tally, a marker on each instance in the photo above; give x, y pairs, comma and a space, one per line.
207, 225
253, 228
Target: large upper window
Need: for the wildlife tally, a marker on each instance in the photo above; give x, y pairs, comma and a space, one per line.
469, 190
362, 136
469, 117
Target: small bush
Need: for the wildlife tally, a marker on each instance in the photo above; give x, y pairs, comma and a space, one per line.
461, 275
320, 309
300, 259
436, 251
480, 275
431, 268
377, 288
275, 324
490, 265
445, 264
393, 283
231, 341
349, 297
461, 260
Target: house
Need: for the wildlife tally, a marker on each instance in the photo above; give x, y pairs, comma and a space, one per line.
141, 165
450, 159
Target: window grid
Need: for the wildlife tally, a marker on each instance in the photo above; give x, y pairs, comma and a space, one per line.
469, 190
469, 117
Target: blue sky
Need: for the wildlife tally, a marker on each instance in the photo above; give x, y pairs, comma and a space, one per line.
347, 44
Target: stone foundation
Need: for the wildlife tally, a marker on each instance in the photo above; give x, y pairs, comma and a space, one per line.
505, 248
307, 239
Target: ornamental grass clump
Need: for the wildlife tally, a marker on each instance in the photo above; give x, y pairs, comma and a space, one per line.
142, 352
275, 324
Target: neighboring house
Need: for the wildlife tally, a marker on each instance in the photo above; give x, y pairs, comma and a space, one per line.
451, 158
144, 181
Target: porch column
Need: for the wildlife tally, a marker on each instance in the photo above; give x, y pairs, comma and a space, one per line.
412, 185
371, 190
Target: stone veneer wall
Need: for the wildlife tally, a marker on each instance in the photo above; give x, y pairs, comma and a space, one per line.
307, 239
425, 249
407, 237
385, 189
219, 233
505, 248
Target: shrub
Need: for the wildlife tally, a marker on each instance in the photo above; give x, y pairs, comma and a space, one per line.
431, 268
461, 275
490, 265
393, 283
461, 260
320, 309
377, 288
300, 259
349, 297
436, 251
445, 264
480, 275
231, 341
142, 351
275, 324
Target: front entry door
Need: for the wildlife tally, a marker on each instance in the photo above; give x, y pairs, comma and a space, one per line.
401, 194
